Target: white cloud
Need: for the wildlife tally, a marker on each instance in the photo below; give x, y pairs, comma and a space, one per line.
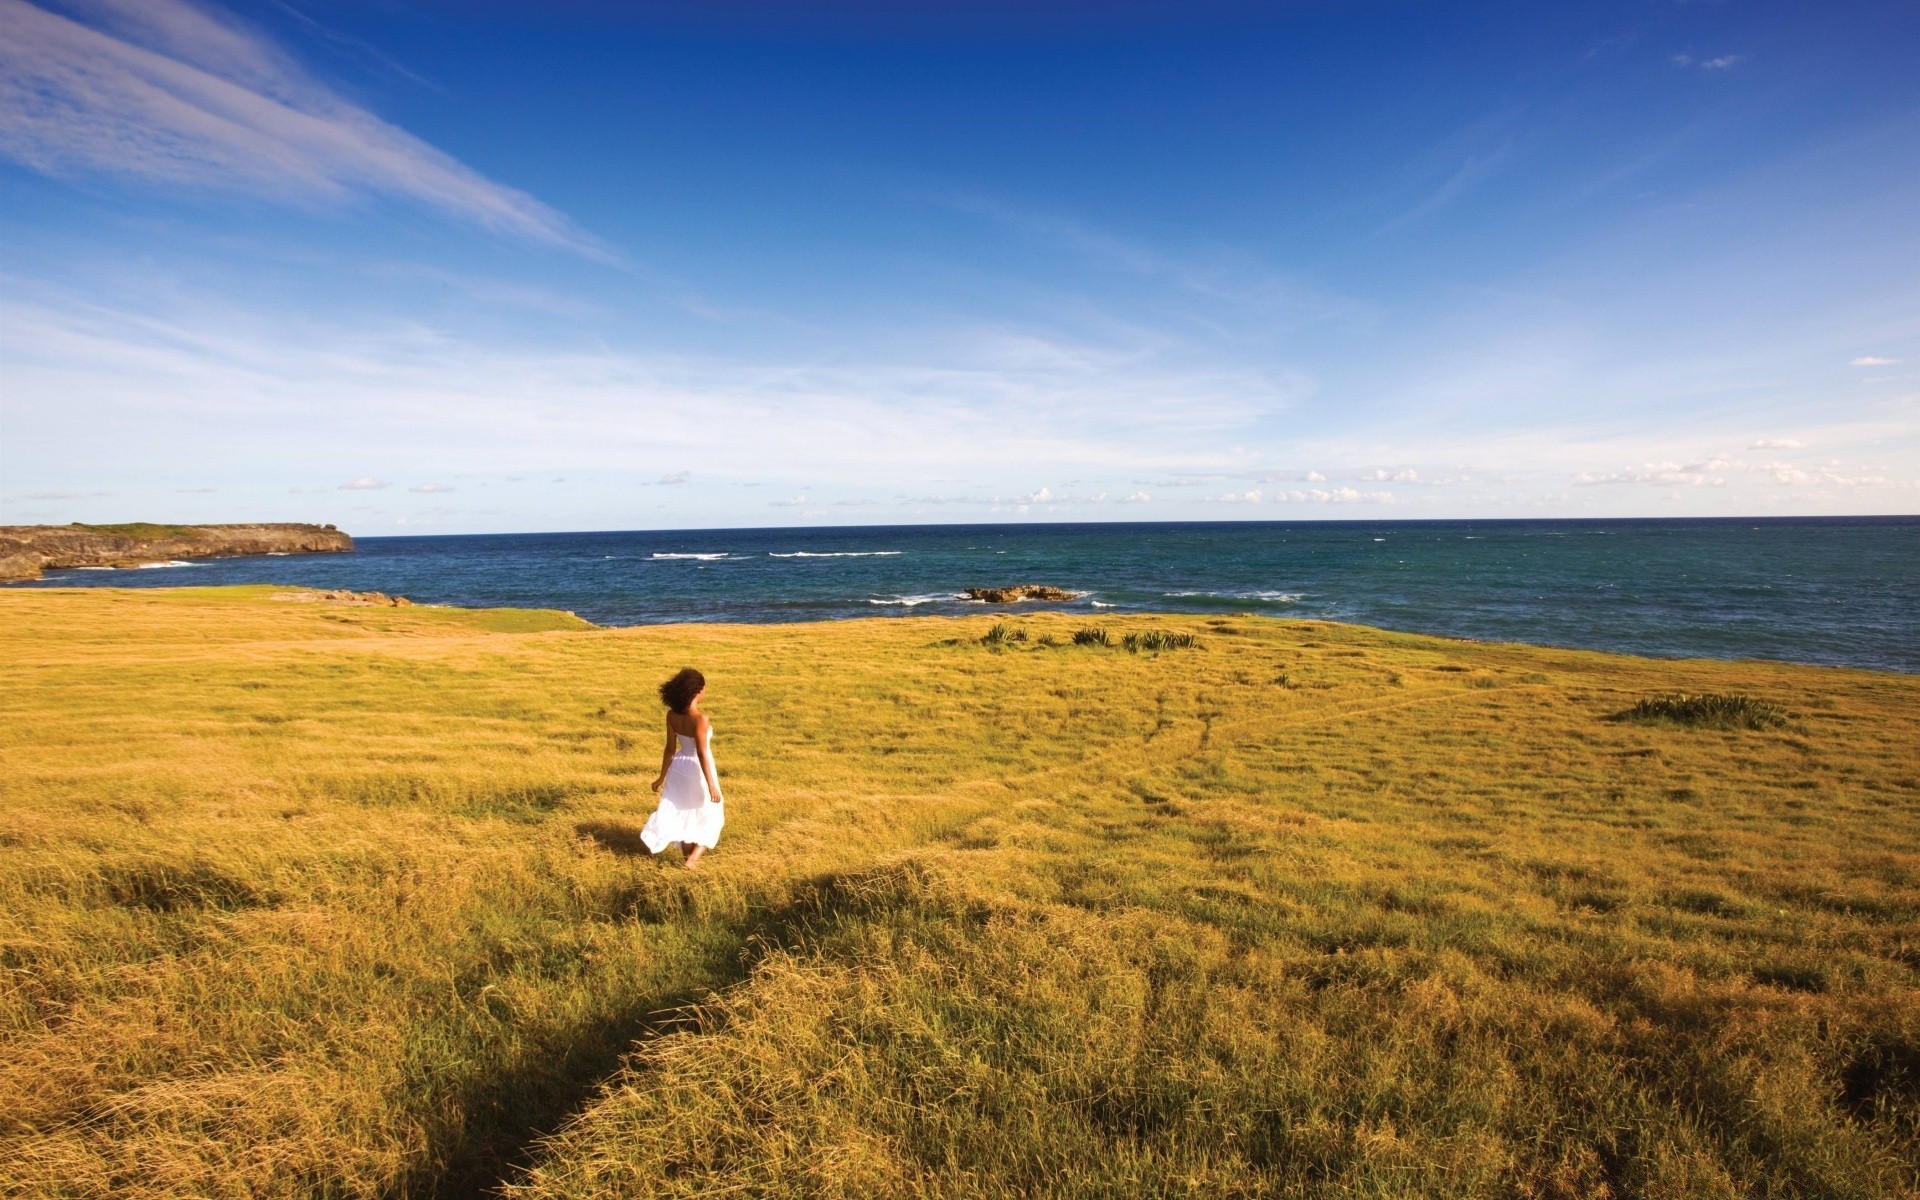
1315, 477
1135, 498
676, 477
1341, 495
799, 501
430, 488
1707, 473
1774, 444
168, 92
1656, 475
1383, 475
1718, 63
366, 483
1872, 360
1251, 496
1040, 497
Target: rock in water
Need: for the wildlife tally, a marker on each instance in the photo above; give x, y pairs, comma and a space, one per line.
1019, 591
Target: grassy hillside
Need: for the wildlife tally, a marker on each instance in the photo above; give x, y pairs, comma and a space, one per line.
309, 900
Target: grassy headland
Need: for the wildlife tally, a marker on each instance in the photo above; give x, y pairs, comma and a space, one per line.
27, 550
311, 900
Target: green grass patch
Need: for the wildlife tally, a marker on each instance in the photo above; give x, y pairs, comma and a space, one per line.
1002, 634
1709, 710
1154, 640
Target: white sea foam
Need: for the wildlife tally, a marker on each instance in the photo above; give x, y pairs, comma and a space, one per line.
1102, 604
156, 566
93, 568
836, 554
701, 557
279, 554
1271, 597
914, 601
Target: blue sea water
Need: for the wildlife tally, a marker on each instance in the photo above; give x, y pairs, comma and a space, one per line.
1820, 590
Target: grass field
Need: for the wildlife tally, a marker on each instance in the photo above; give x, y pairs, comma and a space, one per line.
310, 900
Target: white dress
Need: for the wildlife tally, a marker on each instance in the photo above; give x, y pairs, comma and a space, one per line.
686, 813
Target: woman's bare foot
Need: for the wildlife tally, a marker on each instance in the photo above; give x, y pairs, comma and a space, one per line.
693, 857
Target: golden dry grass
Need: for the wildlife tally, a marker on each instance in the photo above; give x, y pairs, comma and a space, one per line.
302, 900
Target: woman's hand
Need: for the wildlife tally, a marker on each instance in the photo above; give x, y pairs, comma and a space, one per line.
658, 781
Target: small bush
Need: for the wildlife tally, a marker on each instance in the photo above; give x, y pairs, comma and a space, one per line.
1046, 639
1709, 710
1091, 636
1003, 634
1158, 639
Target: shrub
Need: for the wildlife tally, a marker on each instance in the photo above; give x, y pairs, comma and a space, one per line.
1092, 636
1158, 639
1003, 634
1709, 710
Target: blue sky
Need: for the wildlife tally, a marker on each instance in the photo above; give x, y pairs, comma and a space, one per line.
414, 266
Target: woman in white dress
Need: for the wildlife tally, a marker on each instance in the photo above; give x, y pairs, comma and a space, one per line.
691, 808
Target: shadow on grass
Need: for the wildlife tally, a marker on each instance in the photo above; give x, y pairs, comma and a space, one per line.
615, 836
508, 1115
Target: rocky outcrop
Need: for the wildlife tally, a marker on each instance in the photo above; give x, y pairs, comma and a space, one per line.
1019, 591
343, 596
27, 550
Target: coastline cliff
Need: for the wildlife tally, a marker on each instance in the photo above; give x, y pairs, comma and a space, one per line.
27, 550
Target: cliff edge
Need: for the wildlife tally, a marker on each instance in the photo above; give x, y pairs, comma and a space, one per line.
26, 550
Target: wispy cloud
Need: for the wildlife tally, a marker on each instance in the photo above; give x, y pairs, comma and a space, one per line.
366, 483
1872, 360
430, 488
1720, 62
1342, 495
1714, 472
676, 478
1774, 444
1654, 475
169, 92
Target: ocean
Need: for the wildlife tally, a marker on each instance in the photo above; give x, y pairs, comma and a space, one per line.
1842, 591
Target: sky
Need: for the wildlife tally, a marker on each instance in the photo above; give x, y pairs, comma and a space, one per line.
418, 266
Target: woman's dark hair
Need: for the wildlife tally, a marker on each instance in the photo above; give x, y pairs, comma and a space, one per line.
679, 691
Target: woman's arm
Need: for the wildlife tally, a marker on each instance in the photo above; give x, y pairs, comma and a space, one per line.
706, 761
666, 759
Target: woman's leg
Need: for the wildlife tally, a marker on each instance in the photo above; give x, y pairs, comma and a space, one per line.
694, 851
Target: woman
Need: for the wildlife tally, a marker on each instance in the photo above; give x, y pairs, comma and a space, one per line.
691, 809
